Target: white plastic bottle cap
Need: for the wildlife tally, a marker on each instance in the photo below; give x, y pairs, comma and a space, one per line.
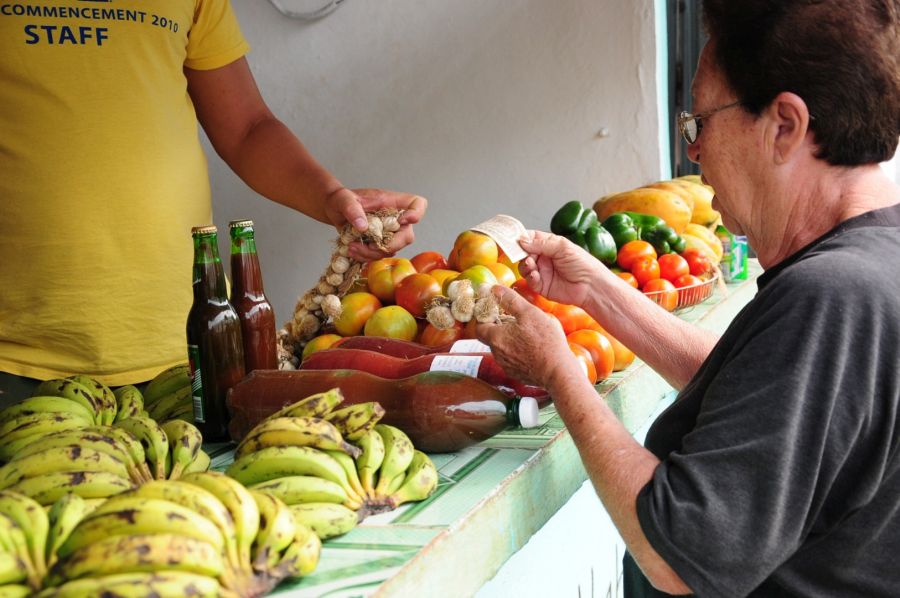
528, 412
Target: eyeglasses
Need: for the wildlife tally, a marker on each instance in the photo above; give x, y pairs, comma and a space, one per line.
690, 125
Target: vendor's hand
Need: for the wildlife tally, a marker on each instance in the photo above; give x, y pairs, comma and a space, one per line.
532, 348
346, 205
557, 268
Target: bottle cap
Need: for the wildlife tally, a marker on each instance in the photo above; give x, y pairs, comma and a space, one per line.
528, 412
204, 230
240, 223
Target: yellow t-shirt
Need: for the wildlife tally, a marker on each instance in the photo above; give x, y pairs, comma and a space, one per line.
102, 176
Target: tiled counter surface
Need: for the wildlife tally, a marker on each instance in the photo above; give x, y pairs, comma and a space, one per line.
491, 497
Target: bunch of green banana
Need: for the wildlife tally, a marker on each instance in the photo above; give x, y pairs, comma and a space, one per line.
355, 420
168, 395
129, 402
391, 470
36, 417
23, 539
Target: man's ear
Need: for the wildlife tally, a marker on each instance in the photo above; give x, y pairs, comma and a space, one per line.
789, 123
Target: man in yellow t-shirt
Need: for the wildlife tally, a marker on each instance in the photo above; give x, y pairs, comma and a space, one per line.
102, 176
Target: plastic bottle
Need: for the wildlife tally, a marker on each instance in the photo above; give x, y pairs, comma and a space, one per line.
215, 350
439, 411
249, 299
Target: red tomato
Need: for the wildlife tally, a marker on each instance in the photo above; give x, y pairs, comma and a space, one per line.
385, 274
428, 261
585, 360
434, 337
323, 341
632, 251
573, 318
600, 348
672, 265
644, 270
698, 262
533, 297
629, 278
393, 322
687, 280
415, 292
356, 308
665, 293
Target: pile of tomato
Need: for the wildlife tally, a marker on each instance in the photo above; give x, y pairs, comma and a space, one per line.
638, 264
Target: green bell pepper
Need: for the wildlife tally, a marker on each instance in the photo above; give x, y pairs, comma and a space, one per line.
600, 244
566, 220
621, 227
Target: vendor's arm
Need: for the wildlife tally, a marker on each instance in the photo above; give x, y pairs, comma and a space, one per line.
534, 348
561, 271
261, 150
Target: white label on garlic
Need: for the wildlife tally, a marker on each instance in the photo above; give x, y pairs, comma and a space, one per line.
463, 364
469, 345
506, 231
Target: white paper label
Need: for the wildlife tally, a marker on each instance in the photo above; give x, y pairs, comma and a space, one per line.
469, 345
464, 364
506, 231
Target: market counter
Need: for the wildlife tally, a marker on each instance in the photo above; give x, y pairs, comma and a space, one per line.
491, 497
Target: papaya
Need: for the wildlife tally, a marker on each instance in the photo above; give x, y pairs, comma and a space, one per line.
677, 188
658, 202
706, 235
703, 213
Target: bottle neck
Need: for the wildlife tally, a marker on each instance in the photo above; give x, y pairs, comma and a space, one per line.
512, 411
245, 270
209, 276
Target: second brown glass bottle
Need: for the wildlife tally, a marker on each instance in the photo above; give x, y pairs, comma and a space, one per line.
249, 299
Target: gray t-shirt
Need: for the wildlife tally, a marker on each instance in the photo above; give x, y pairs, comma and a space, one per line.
780, 471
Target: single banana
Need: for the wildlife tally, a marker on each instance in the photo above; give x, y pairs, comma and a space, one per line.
29, 428
239, 502
294, 431
303, 488
419, 483
15, 591
131, 444
368, 463
141, 585
69, 389
33, 521
12, 570
357, 495
185, 442
355, 420
315, 405
302, 556
61, 459
276, 531
106, 400
64, 515
199, 500
395, 484
50, 487
199, 464
398, 454
152, 439
129, 402
86, 439
184, 413
46, 404
131, 515
325, 519
279, 461
166, 382
14, 542
136, 553
168, 404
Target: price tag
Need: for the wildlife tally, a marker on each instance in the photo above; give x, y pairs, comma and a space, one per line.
463, 364
469, 345
506, 231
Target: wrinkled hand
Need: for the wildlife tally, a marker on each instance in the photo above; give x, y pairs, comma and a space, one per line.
532, 348
346, 205
557, 268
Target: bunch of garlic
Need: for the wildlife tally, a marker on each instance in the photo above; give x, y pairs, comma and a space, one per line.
323, 301
463, 303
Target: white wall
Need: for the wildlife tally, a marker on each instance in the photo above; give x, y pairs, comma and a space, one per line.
482, 106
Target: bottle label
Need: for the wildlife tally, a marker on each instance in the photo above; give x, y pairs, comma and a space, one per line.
469, 345
463, 364
196, 383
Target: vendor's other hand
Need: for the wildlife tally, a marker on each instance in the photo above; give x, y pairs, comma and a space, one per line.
532, 348
346, 205
557, 268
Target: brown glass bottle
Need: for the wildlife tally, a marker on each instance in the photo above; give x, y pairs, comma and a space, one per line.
215, 350
249, 299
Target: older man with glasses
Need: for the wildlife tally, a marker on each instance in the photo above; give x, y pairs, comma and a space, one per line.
776, 472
